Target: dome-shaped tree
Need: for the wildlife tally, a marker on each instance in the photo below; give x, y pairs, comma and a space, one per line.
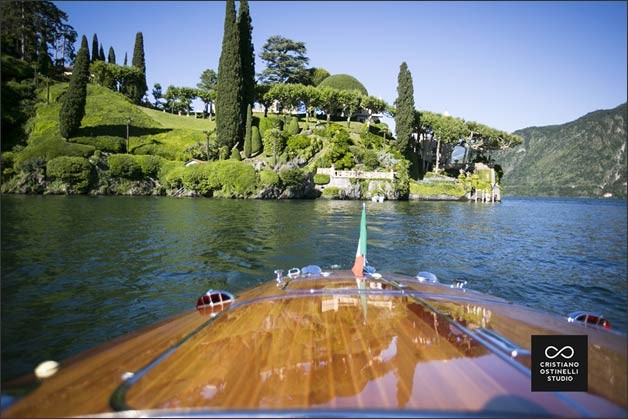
344, 82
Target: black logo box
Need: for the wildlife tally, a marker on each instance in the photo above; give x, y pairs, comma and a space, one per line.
559, 362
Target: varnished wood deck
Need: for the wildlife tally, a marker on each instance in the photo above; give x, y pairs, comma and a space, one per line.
320, 344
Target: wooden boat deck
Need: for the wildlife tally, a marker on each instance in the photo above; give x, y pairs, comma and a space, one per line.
320, 343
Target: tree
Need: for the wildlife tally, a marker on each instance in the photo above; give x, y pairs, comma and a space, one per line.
157, 95
84, 44
285, 61
73, 102
229, 89
317, 75
112, 56
207, 90
101, 53
172, 99
95, 55
256, 141
405, 120
247, 55
311, 99
248, 133
44, 63
139, 89
179, 99
260, 96
350, 101
25, 24
329, 100
373, 105
125, 59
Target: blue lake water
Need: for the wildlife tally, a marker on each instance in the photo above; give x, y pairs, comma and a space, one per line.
78, 270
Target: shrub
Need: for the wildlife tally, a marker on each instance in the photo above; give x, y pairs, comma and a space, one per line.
321, 179
293, 126
372, 141
166, 167
235, 154
370, 160
223, 152
298, 142
268, 123
156, 150
104, 143
48, 149
331, 192
150, 165
268, 178
274, 141
124, 165
75, 171
226, 178
292, 177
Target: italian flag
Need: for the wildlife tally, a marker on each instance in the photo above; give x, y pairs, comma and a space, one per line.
360, 255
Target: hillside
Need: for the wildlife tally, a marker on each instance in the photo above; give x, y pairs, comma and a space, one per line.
100, 160
582, 158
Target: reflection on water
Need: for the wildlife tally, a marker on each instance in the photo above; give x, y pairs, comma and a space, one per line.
77, 271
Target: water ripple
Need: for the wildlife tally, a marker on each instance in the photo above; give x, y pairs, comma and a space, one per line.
77, 271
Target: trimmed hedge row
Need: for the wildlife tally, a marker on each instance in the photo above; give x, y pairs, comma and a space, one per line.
135, 167
226, 178
44, 151
75, 171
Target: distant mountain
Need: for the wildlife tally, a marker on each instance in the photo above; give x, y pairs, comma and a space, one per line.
582, 158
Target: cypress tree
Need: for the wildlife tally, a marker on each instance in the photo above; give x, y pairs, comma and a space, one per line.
73, 103
95, 56
247, 55
112, 56
84, 45
256, 141
125, 60
229, 127
406, 117
101, 53
139, 90
247, 132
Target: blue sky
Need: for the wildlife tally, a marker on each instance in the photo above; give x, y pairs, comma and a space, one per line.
509, 65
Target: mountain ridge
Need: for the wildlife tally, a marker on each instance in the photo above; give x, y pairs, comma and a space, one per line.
585, 157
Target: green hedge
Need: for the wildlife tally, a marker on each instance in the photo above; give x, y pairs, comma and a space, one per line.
274, 141
44, 151
75, 171
321, 179
292, 177
331, 192
150, 165
105, 143
225, 178
293, 126
124, 165
268, 177
268, 123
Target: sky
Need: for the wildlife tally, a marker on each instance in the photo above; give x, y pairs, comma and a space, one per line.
508, 65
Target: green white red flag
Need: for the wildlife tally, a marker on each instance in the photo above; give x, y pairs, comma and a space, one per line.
360, 255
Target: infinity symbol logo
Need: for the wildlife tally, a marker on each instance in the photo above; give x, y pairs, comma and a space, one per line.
557, 352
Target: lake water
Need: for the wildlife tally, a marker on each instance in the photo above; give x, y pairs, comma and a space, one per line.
78, 270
